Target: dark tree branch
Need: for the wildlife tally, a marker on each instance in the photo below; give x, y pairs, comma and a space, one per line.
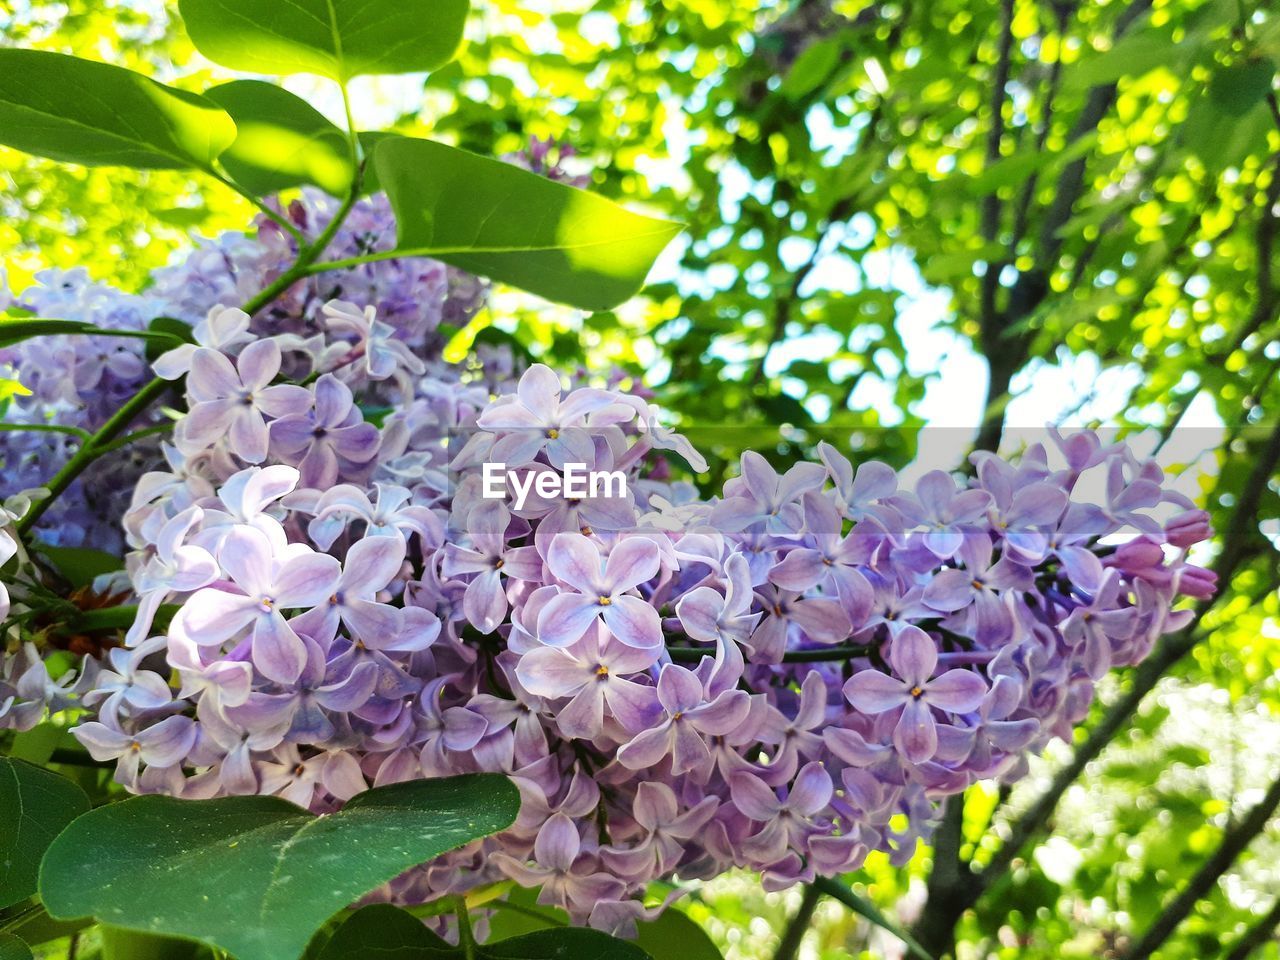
1257, 935
995, 136
944, 901
1006, 353
1234, 842
789, 945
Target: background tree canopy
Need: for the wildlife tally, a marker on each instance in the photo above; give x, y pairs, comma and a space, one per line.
966, 216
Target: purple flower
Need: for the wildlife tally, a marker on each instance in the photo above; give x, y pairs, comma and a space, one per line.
601, 591
592, 672
565, 877
234, 401
979, 589
175, 568
489, 557
539, 419
787, 822
334, 433
761, 496
942, 510
163, 744
371, 565
914, 656
690, 718
267, 583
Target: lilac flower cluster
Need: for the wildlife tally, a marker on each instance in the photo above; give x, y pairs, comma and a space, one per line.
765, 679
782, 677
79, 381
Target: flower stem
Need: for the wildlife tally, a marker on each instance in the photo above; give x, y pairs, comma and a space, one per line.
466, 937
94, 448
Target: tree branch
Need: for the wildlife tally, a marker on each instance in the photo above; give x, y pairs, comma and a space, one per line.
1234, 842
1257, 935
793, 935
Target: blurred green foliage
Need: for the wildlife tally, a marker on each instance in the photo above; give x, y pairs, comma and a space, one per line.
1077, 180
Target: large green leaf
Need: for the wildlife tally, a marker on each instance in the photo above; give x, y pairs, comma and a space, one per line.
37, 804
257, 876
674, 936
497, 220
11, 948
389, 933
281, 140
382, 931
334, 38
82, 111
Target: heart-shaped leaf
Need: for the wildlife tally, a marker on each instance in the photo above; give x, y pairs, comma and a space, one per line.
499, 221
281, 140
37, 804
334, 38
82, 111
389, 933
257, 876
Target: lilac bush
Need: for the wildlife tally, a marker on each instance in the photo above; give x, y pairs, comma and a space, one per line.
782, 677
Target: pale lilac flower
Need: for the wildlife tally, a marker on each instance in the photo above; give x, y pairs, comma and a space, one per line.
592, 672
234, 401
267, 583
787, 822
914, 656
690, 718
176, 567
321, 441
943, 511
492, 561
163, 744
761, 496
564, 878
371, 564
384, 354
224, 329
602, 591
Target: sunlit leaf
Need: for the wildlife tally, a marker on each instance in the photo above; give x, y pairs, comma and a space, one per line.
81, 111
281, 140
334, 38
499, 221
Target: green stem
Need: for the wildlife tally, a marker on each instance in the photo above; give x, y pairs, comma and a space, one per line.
466, 937
47, 428
92, 448
100, 442
281, 221
137, 435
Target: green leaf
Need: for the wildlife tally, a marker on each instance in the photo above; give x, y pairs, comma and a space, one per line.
118, 944
281, 140
80, 565
81, 111
1237, 88
257, 876
340, 39
499, 221
674, 936
383, 932
16, 329
37, 804
11, 948
812, 68
1132, 56
563, 943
